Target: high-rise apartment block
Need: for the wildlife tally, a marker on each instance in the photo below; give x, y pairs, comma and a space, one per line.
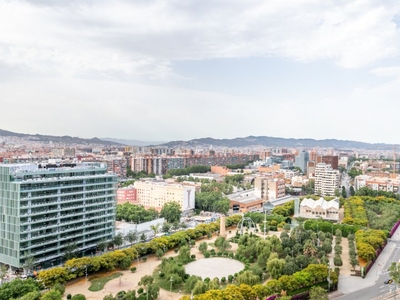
301, 161
46, 207
326, 180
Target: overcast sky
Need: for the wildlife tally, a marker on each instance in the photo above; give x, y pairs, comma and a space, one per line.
170, 70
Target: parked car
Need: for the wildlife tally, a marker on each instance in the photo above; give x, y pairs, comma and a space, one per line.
388, 281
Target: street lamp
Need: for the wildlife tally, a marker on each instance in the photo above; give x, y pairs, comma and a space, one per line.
137, 255
329, 278
171, 280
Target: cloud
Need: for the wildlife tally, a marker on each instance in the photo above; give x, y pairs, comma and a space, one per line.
386, 71
142, 38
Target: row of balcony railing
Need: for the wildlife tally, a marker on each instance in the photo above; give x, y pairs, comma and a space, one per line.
61, 235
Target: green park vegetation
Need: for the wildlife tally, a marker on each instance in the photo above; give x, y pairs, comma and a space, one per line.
187, 171
211, 197
353, 172
236, 166
135, 213
116, 259
355, 212
292, 266
138, 175
273, 221
378, 212
98, 283
288, 265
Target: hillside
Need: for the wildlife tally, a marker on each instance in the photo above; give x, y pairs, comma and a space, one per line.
56, 139
278, 142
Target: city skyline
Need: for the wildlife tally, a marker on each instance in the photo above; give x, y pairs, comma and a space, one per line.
166, 71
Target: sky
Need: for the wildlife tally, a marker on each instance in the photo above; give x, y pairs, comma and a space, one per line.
179, 70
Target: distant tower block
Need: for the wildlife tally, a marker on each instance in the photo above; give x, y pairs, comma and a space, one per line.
222, 226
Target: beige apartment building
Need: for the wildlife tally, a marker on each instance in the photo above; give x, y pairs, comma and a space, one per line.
153, 193
269, 188
326, 180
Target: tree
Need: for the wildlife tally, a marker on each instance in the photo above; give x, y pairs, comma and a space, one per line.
344, 192
102, 245
318, 293
143, 238
159, 253
247, 277
18, 288
131, 237
191, 282
184, 254
155, 228
118, 239
70, 251
275, 267
146, 280
29, 263
51, 295
222, 244
166, 227
153, 290
34, 295
200, 288
171, 212
353, 261
3, 271
394, 272
203, 247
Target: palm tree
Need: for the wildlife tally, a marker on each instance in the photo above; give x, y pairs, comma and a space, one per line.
29, 263
155, 228
310, 250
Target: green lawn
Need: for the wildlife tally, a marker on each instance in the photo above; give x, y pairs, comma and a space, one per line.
97, 283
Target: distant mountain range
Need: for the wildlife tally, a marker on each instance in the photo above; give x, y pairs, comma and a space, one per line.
277, 142
132, 142
249, 141
56, 139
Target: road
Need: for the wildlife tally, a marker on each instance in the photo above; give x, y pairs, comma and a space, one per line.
345, 182
378, 274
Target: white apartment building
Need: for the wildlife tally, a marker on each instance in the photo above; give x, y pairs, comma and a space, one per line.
326, 180
384, 184
153, 193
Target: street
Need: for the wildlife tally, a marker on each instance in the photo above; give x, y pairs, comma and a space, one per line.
373, 285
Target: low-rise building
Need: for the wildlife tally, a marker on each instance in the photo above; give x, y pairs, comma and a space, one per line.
245, 201
314, 209
127, 194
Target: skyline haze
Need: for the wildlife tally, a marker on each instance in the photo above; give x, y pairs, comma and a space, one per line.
165, 71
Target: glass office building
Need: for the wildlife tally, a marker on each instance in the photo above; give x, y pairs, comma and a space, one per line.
45, 208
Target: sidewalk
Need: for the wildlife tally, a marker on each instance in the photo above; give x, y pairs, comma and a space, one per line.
129, 280
349, 284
